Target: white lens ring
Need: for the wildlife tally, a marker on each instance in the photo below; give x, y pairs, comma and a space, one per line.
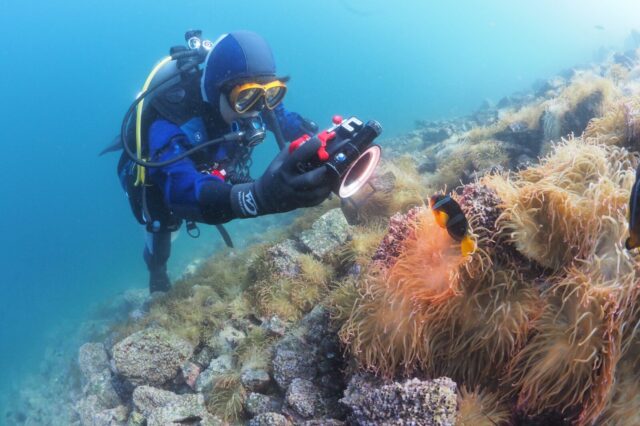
372, 157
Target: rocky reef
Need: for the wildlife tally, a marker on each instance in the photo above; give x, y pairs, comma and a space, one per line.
365, 311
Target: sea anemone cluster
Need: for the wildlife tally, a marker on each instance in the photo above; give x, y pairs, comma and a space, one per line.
568, 215
541, 318
384, 330
620, 125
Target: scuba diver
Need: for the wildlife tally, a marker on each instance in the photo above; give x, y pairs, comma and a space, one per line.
188, 139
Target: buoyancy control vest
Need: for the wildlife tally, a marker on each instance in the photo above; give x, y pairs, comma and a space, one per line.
179, 102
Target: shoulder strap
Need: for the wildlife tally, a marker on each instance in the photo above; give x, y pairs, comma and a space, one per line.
178, 139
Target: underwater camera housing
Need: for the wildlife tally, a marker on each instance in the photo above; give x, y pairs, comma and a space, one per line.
349, 154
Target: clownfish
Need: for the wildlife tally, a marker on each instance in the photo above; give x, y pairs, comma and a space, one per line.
634, 215
449, 215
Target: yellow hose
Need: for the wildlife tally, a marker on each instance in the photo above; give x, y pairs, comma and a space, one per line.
141, 170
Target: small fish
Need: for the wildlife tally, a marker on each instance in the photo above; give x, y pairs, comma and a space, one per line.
449, 215
599, 27
634, 215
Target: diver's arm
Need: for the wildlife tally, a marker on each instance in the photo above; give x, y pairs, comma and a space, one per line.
204, 198
292, 124
189, 193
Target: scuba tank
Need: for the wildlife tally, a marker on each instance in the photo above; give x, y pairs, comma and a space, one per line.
167, 93
170, 89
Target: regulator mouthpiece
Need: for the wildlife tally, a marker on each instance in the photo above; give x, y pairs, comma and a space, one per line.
253, 129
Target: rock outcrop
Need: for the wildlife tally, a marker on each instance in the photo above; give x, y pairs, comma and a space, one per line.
150, 357
413, 402
160, 407
326, 234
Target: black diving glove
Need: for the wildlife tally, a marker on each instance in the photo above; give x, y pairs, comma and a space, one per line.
283, 187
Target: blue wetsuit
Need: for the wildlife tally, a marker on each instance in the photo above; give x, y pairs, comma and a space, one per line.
188, 192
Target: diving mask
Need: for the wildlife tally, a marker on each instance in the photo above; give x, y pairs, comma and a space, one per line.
244, 97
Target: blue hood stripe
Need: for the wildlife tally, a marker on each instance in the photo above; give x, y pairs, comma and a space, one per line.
235, 55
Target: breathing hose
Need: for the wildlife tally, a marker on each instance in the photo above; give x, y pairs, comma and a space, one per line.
141, 170
137, 107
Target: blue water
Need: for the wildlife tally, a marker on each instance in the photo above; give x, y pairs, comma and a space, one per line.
70, 68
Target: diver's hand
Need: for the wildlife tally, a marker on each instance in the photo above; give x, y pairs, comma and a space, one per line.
282, 187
